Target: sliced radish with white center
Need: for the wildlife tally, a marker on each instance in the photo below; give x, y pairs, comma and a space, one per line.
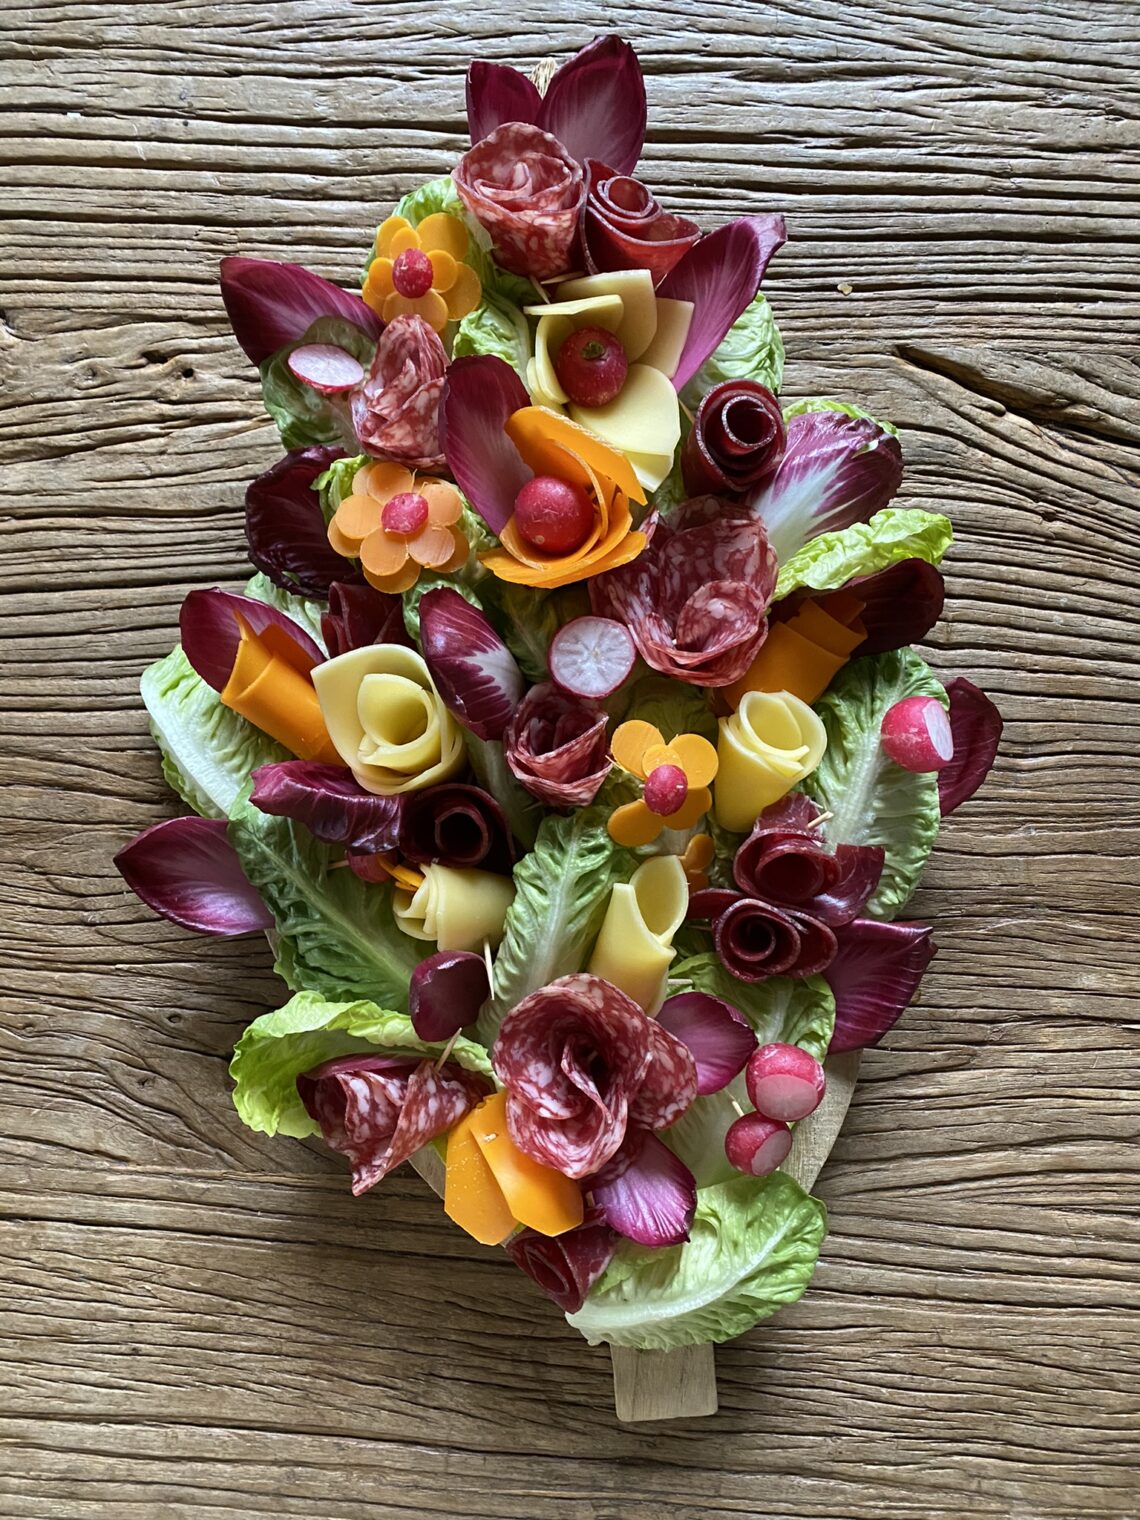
784, 1082
916, 734
326, 368
591, 657
756, 1146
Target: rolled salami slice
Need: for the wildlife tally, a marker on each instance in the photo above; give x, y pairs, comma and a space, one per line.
556, 746
525, 190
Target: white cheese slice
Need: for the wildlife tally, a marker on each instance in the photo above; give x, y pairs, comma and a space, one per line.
674, 318
644, 421
635, 945
639, 304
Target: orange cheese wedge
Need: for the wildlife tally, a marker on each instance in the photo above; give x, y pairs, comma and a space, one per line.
269, 684
471, 1196
804, 654
536, 1195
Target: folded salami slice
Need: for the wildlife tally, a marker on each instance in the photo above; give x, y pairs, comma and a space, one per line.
526, 191
556, 746
396, 410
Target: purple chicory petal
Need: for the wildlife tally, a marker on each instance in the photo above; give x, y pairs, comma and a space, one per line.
719, 1037
595, 105
475, 672
359, 614
187, 870
328, 800
446, 993
285, 527
479, 394
902, 604
456, 825
646, 1193
496, 94
210, 632
271, 304
720, 275
566, 1266
874, 976
836, 470
976, 726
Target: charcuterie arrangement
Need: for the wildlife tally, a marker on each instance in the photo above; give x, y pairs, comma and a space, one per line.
568, 741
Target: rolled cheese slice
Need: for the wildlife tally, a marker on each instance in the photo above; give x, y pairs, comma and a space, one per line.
387, 720
270, 686
770, 743
635, 946
458, 909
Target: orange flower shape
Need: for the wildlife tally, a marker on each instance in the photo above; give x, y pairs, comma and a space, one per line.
700, 852
676, 776
420, 270
397, 526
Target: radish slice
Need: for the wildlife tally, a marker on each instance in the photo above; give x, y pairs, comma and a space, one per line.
755, 1145
916, 734
326, 368
591, 657
784, 1082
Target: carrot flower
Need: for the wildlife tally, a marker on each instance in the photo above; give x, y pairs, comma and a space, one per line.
397, 525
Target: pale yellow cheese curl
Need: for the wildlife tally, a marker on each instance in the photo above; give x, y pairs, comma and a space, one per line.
770, 743
386, 719
635, 945
459, 910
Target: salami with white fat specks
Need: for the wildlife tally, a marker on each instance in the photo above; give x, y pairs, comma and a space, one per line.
574, 1058
695, 600
556, 746
396, 410
526, 191
379, 1110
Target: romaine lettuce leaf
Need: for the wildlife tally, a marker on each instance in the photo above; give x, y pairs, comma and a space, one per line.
425, 200
335, 933
753, 1247
894, 534
752, 349
871, 799
497, 326
673, 707
303, 416
277, 1047
828, 404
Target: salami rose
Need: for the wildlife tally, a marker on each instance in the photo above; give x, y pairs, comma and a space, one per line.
525, 190
396, 411
623, 227
578, 1060
695, 598
556, 747
737, 439
379, 1110
566, 1266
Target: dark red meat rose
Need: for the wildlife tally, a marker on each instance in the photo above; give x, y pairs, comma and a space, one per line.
566, 1266
623, 227
737, 439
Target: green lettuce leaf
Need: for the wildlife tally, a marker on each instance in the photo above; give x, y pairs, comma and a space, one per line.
303, 416
307, 614
871, 799
828, 404
497, 326
336, 483
753, 1247
894, 534
562, 891
752, 349
437, 195
528, 618
673, 707
277, 1047
335, 933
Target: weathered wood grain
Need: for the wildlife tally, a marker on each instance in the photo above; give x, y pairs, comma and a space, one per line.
201, 1323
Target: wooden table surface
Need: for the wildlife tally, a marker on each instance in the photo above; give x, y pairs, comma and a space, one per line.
201, 1324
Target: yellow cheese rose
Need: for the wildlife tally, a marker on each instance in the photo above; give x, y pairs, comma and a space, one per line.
635, 946
386, 719
767, 746
458, 909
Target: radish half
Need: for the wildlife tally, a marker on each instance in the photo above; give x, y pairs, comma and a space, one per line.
755, 1145
784, 1082
591, 657
916, 734
326, 368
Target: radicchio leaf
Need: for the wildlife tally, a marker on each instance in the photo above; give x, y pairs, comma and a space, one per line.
210, 632
595, 104
902, 604
446, 992
271, 304
479, 394
475, 672
874, 976
330, 802
976, 726
567, 1266
719, 1038
285, 527
496, 94
646, 1192
358, 615
187, 870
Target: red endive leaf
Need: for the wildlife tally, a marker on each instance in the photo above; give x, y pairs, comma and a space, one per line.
271, 304
359, 614
210, 632
976, 726
646, 1192
479, 394
720, 1039
595, 105
330, 802
874, 975
497, 94
187, 870
721, 276
475, 672
285, 527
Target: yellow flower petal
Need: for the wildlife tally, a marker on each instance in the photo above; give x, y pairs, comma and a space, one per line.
401, 240
660, 754
443, 232
443, 270
382, 479
695, 805
432, 546
383, 554
700, 852
387, 231
698, 758
464, 294
377, 284
402, 580
444, 505
349, 547
431, 307
634, 825
357, 517
630, 743
459, 553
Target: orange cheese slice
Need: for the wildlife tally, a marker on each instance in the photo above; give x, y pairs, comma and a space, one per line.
804, 654
536, 1195
537, 433
471, 1196
270, 686
831, 633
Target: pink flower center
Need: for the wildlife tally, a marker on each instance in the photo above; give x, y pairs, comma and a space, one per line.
404, 514
666, 789
412, 274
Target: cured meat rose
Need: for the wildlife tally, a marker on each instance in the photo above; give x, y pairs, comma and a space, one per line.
379, 1110
623, 227
456, 825
556, 747
578, 1060
784, 860
695, 598
737, 439
396, 410
526, 191
566, 1266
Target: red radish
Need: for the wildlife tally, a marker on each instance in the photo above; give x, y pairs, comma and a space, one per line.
916, 734
591, 366
326, 368
553, 515
665, 790
591, 657
756, 1145
784, 1082
405, 513
412, 274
